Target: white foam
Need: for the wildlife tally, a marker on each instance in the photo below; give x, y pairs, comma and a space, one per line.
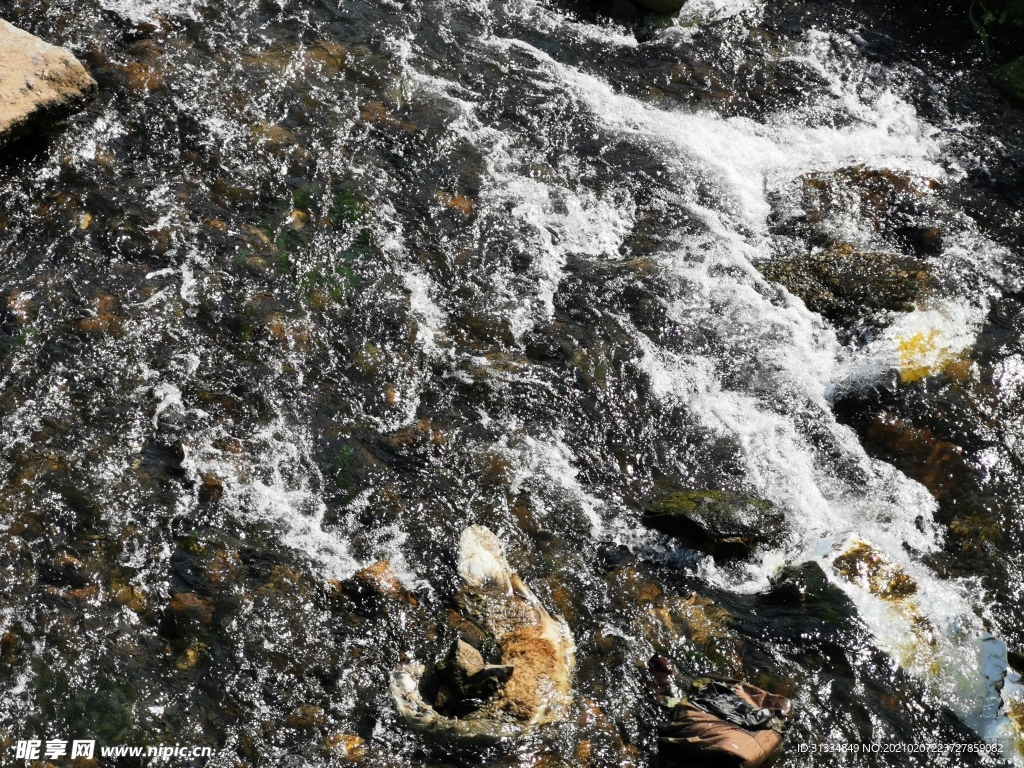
278, 483
430, 316
743, 156
145, 10
555, 220
551, 463
554, 223
696, 12
777, 410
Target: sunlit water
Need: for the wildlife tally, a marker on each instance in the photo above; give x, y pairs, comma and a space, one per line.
315, 285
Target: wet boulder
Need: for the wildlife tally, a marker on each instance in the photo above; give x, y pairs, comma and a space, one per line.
186, 614
861, 564
372, 589
39, 82
724, 524
805, 588
897, 207
65, 571
861, 243
850, 287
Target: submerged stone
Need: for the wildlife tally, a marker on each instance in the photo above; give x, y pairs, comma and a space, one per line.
39, 82
186, 613
724, 524
345, 747
860, 243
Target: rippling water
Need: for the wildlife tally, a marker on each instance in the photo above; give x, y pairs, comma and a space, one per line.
312, 284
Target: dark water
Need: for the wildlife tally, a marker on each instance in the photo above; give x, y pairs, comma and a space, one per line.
314, 285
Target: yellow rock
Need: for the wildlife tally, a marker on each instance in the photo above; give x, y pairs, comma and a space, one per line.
1015, 714
922, 355
188, 659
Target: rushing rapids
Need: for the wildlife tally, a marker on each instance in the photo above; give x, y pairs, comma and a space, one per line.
310, 287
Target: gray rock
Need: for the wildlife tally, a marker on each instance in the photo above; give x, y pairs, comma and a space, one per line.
39, 82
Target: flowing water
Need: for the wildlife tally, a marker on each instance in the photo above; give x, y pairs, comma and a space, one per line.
312, 285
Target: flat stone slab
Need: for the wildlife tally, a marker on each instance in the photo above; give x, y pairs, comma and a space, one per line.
39, 82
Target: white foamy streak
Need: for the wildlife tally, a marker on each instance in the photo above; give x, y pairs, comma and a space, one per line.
279, 484
936, 635
925, 339
704, 11
744, 157
543, 17
551, 463
430, 317
782, 463
555, 221
143, 10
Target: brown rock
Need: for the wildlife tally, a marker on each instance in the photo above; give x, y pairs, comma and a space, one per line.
189, 658
329, 56
190, 611
346, 747
306, 718
376, 113
10, 648
103, 319
211, 490
459, 203
224, 569
848, 286
415, 438
129, 596
380, 579
862, 564
143, 77
467, 659
38, 81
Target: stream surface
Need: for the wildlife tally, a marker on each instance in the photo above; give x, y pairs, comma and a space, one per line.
312, 285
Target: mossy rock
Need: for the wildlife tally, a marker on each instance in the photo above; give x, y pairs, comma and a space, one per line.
724, 524
850, 288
